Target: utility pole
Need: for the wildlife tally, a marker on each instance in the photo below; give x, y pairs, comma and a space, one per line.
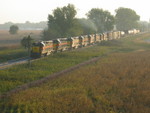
29, 41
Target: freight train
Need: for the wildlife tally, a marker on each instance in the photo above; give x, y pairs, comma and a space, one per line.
44, 48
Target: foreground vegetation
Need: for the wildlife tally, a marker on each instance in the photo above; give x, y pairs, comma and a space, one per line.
118, 83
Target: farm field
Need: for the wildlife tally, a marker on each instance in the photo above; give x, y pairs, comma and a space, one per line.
10, 47
8, 40
117, 83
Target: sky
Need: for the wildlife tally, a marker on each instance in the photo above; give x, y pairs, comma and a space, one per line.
20, 11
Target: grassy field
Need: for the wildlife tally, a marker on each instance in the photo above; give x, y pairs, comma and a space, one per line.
118, 83
10, 47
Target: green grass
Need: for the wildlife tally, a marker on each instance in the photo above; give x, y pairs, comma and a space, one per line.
111, 85
11, 53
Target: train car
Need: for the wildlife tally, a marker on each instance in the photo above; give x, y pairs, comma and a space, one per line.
97, 38
116, 34
122, 33
92, 39
76, 42
60, 45
113, 35
41, 48
105, 36
109, 35
85, 40
135, 31
101, 36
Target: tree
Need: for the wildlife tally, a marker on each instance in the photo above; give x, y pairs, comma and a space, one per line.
13, 29
103, 20
144, 26
126, 19
87, 26
62, 23
27, 43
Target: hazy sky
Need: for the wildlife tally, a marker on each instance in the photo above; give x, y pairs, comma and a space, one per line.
20, 11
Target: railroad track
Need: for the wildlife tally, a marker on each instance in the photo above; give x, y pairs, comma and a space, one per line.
14, 62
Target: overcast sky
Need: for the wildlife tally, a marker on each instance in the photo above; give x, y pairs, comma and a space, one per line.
20, 11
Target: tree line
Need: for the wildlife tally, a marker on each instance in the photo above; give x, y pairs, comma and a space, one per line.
63, 22
25, 26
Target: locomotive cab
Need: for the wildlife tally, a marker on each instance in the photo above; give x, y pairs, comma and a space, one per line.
36, 49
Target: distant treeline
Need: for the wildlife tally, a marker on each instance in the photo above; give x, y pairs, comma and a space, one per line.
25, 26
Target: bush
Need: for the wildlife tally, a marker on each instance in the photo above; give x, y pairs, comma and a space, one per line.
13, 29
